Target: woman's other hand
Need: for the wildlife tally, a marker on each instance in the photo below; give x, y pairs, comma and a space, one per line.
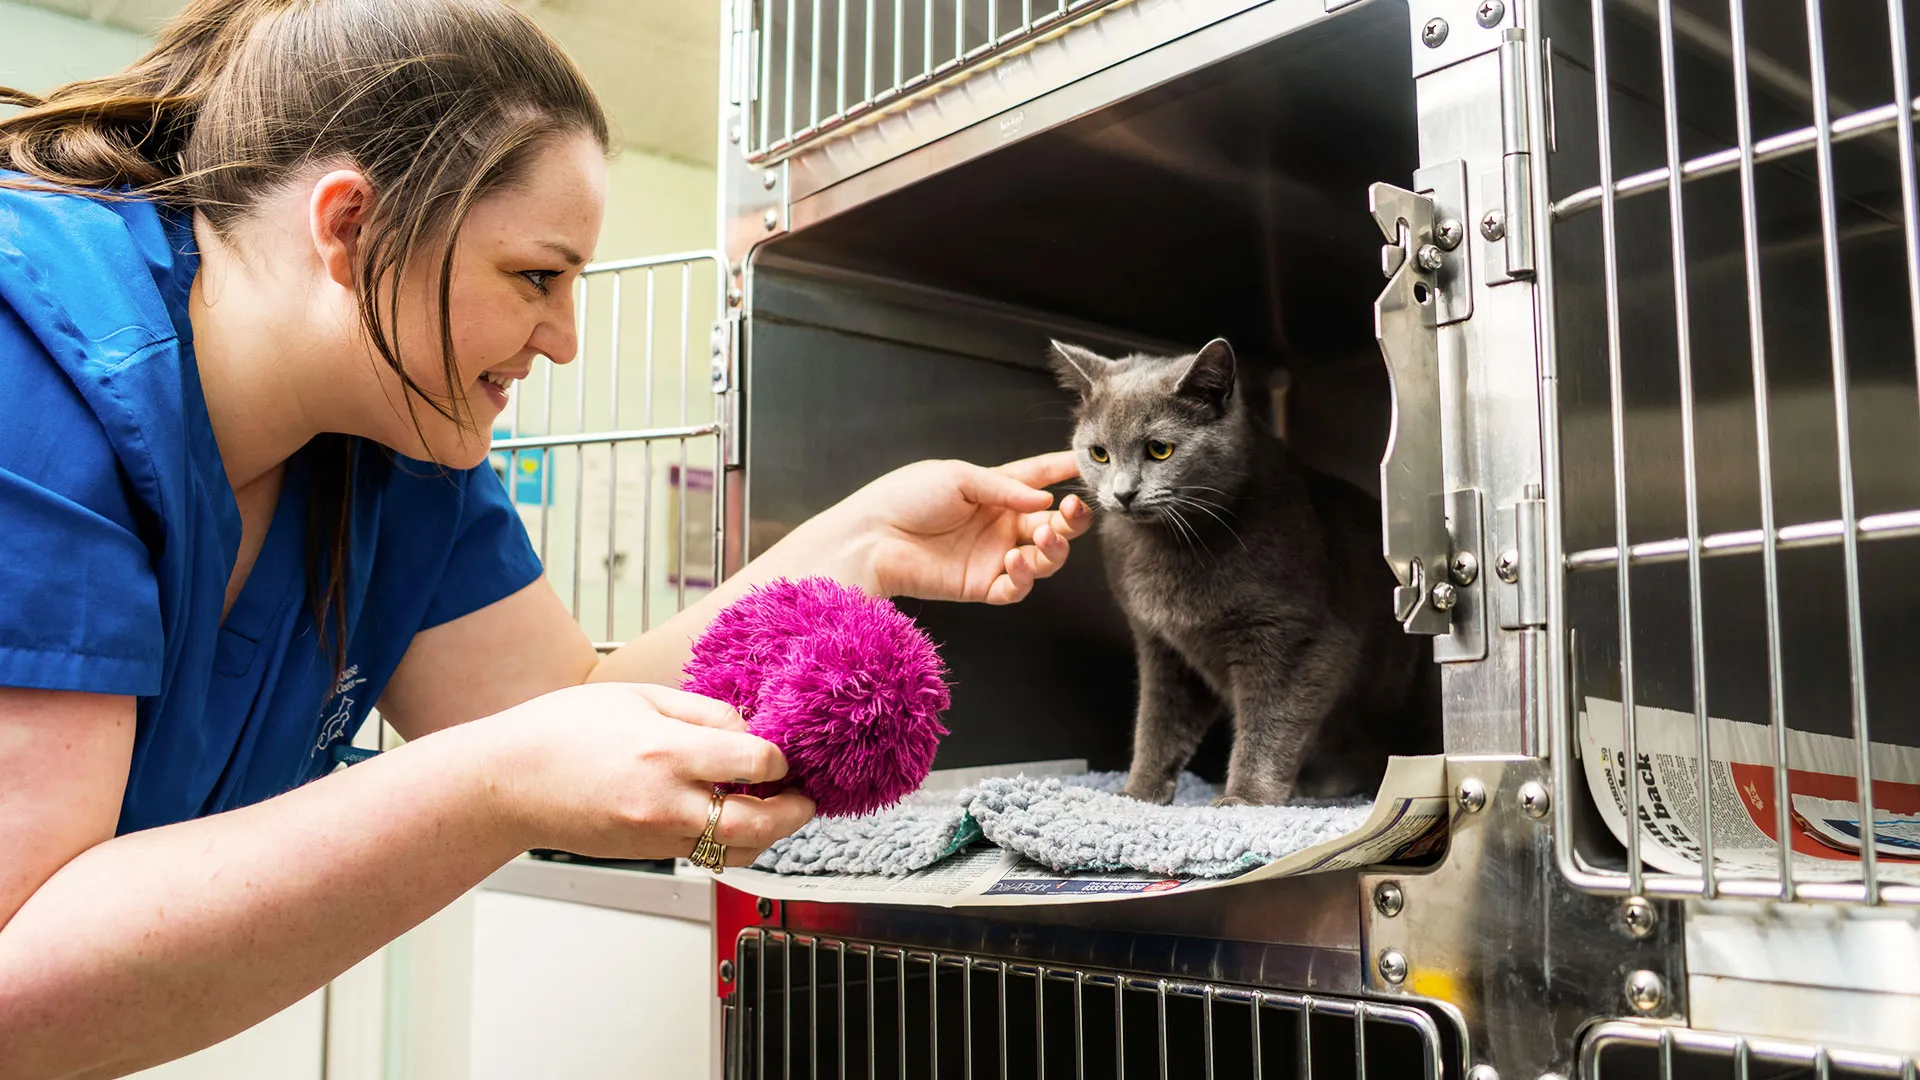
949, 530
626, 771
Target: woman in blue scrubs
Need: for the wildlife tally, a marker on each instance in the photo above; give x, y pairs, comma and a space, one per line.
261, 298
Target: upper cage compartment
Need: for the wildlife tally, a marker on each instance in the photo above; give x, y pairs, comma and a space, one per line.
1223, 197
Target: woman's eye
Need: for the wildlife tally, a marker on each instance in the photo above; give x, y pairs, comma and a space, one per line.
1098, 453
1159, 451
540, 279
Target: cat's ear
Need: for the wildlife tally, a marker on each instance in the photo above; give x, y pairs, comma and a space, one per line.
1209, 376
1078, 369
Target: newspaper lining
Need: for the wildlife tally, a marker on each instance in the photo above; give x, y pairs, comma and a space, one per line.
1825, 819
1407, 824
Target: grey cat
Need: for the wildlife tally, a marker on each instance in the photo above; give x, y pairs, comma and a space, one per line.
1249, 581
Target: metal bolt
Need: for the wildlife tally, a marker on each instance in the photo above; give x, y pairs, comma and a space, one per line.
1388, 900
1638, 916
765, 907
1483, 1072
1534, 799
1429, 257
1489, 13
1434, 32
726, 971
1508, 566
1493, 226
1464, 569
1646, 991
771, 219
734, 296
1471, 795
769, 179
733, 133
1447, 233
1393, 966
1444, 596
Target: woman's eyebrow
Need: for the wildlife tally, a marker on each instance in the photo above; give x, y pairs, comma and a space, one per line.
572, 257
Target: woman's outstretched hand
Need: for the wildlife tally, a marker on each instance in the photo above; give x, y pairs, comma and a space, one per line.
949, 530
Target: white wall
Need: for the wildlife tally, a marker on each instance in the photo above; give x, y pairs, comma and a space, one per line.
40, 49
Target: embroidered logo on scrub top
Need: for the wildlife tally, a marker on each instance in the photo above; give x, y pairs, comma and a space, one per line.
335, 727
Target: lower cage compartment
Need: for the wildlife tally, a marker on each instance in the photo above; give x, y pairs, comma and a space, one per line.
1626, 1050
813, 1006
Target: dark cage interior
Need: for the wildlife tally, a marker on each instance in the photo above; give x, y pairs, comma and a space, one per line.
1230, 201
1867, 224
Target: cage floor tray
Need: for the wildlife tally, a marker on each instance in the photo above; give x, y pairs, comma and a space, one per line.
1022, 841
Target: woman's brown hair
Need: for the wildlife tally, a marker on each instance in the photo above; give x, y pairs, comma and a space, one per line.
437, 102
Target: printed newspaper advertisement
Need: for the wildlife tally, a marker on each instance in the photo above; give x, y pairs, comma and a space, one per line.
1825, 821
1407, 824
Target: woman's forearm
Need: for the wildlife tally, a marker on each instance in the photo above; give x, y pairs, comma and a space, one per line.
160, 942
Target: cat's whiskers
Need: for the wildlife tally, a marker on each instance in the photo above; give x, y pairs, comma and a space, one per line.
1203, 507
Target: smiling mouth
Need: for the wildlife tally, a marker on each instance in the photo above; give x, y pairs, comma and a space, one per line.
503, 382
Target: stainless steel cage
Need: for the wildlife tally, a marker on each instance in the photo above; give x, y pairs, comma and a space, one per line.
1613, 439
1624, 1050
803, 69
615, 459
815, 1006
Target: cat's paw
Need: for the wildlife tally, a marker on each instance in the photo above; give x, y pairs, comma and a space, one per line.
1230, 800
1147, 791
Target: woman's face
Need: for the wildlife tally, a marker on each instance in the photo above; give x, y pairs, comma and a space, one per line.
510, 301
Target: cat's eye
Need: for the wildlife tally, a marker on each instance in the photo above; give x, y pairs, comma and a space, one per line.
1159, 451
1098, 453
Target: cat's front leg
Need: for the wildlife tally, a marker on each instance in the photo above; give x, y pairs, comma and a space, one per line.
1279, 706
1176, 709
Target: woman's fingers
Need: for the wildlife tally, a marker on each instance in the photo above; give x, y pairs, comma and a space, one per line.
691, 708
995, 487
746, 823
718, 757
1044, 470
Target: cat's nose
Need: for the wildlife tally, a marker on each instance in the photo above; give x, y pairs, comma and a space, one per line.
1124, 498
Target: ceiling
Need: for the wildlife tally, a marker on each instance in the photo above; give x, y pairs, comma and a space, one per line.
655, 62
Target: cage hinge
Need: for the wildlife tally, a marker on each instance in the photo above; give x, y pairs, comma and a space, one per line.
723, 354
1511, 223
1519, 565
1412, 495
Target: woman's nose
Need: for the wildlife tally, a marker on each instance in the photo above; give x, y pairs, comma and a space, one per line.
557, 341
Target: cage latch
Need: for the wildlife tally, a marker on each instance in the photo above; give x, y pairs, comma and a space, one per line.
1413, 508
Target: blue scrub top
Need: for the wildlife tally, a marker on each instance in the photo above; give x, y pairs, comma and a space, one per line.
121, 528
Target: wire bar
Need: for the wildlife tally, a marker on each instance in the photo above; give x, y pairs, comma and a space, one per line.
613, 450
1843, 433
1617, 405
1772, 148
1683, 340
599, 438
1909, 201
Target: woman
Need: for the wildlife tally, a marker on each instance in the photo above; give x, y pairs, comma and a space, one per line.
247, 287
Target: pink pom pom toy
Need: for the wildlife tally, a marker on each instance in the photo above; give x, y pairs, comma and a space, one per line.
847, 687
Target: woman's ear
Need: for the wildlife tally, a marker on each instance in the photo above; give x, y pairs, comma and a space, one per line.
337, 210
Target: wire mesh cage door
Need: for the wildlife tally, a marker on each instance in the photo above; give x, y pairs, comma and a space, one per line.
614, 460
808, 1006
1730, 288
806, 68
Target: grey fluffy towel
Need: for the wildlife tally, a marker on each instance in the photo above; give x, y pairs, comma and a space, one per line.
1068, 824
